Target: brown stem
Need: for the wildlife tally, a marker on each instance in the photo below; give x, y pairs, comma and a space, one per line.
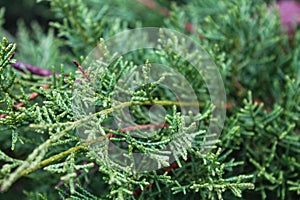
82, 70
32, 69
139, 127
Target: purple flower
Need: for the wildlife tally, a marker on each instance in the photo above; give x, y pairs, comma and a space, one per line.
289, 14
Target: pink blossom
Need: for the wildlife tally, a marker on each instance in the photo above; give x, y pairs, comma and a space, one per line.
289, 13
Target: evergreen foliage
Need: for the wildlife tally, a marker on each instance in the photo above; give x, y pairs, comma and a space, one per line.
48, 151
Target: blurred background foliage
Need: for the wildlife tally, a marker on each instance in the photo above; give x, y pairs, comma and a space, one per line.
27, 11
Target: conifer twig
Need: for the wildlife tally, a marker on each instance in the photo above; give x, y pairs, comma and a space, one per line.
22, 170
32, 96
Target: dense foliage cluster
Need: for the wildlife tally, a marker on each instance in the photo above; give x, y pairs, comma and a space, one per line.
48, 152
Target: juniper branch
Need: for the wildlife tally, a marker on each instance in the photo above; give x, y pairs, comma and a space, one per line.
33, 161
